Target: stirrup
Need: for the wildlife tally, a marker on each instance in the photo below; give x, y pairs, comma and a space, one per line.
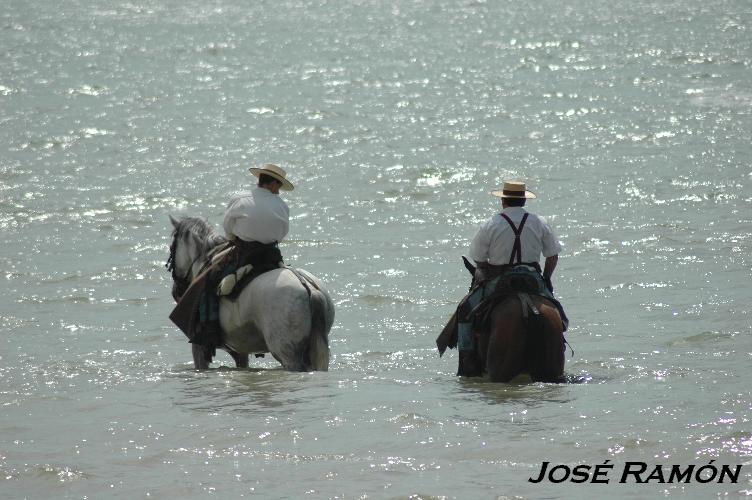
227, 285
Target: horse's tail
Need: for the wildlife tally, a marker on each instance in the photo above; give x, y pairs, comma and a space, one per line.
541, 349
535, 345
318, 346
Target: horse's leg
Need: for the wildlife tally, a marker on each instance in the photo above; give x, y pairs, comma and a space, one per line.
241, 360
202, 356
472, 361
506, 342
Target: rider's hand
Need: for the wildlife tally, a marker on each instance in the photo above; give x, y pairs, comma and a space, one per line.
549, 284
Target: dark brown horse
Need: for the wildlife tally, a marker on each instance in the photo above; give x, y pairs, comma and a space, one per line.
515, 344
521, 333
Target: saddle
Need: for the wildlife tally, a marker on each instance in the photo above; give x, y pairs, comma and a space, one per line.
524, 281
241, 263
224, 260
519, 281
231, 285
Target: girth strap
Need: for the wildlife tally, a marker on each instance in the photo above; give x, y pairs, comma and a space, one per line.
517, 249
527, 304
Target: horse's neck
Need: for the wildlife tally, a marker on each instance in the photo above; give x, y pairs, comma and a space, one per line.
198, 261
202, 257
215, 244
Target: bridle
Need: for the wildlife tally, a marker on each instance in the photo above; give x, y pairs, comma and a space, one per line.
181, 282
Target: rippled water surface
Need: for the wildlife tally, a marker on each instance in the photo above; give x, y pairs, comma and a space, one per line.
632, 122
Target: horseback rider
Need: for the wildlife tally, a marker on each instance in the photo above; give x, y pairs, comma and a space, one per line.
510, 241
260, 215
255, 222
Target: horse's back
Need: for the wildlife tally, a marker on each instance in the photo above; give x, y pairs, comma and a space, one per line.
272, 297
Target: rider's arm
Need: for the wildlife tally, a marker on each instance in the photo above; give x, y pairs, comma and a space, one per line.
479, 253
479, 247
551, 249
549, 266
232, 214
229, 224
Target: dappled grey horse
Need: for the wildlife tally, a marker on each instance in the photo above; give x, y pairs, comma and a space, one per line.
276, 312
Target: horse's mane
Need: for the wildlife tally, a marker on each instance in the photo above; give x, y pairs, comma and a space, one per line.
203, 232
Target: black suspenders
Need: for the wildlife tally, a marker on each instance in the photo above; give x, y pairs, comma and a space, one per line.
517, 249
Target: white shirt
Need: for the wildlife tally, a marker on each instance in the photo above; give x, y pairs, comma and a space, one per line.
258, 215
494, 242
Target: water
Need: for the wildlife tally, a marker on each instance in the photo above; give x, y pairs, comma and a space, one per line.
631, 121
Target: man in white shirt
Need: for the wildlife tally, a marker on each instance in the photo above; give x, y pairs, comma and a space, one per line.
260, 215
255, 221
514, 238
496, 243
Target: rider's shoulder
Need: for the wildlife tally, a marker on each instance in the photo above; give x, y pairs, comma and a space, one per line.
240, 195
540, 218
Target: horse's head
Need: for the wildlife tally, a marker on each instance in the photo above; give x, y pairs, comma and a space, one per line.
192, 238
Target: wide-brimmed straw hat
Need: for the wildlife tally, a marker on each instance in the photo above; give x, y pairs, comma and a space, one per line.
513, 189
276, 172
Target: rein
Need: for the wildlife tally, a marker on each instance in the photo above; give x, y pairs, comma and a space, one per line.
182, 282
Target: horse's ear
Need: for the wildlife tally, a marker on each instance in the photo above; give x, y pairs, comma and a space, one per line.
174, 221
468, 265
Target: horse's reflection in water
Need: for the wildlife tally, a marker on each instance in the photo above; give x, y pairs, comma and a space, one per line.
248, 389
520, 389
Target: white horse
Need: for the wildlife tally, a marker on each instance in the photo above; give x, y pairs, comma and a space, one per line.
275, 313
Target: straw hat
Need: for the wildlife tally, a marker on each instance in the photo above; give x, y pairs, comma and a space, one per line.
513, 189
276, 172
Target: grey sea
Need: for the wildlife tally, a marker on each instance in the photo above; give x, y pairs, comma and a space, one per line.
394, 118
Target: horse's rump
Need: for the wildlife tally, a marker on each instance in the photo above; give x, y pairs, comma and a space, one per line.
520, 341
277, 313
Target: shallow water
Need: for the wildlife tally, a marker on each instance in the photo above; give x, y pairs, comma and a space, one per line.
630, 121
